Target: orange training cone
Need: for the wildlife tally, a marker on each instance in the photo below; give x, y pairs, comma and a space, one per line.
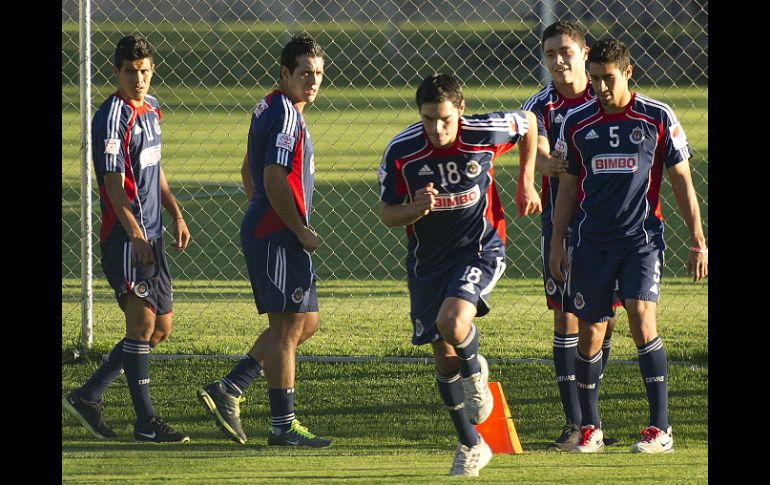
498, 429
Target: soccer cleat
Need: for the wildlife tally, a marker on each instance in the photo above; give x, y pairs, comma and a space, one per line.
591, 440
478, 397
570, 435
655, 441
468, 461
156, 431
90, 415
224, 408
296, 435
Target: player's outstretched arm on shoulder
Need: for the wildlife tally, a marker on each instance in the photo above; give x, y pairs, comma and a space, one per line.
527, 198
687, 200
404, 214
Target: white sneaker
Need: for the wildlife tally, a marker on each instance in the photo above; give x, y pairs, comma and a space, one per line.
478, 397
655, 441
591, 441
468, 461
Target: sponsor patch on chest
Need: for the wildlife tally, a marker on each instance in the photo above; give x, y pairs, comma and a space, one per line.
615, 163
459, 200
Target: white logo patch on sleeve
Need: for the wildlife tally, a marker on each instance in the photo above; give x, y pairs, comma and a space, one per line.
678, 138
381, 174
111, 146
285, 141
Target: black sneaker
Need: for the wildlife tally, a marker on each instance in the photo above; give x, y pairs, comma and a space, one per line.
296, 435
156, 431
90, 415
224, 408
570, 434
609, 441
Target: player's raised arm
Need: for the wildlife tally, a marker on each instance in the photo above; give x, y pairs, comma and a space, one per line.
566, 202
527, 198
409, 213
687, 200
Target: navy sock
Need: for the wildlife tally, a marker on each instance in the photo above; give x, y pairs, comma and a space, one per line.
108, 371
587, 370
241, 376
654, 369
606, 347
281, 407
564, 348
136, 363
467, 350
451, 390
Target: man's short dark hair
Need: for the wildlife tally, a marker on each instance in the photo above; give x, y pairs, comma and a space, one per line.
299, 45
606, 51
438, 88
132, 48
572, 30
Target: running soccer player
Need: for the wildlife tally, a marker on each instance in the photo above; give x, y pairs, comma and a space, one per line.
616, 147
126, 140
565, 50
437, 179
277, 175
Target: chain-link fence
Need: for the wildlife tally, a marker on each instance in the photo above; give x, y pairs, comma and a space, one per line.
215, 59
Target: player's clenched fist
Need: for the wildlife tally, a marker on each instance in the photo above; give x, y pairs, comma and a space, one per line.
425, 199
309, 239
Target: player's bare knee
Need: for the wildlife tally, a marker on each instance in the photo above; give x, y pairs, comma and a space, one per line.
453, 329
591, 337
565, 323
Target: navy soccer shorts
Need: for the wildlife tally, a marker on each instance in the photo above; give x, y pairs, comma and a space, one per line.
282, 278
595, 273
472, 280
150, 283
556, 296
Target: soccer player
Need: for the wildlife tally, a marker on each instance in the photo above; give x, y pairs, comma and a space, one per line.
277, 175
126, 140
565, 50
616, 147
437, 179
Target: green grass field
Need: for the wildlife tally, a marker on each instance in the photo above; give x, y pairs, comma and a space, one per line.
386, 419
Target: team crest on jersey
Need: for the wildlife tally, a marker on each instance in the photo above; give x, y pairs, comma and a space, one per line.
284, 141
550, 287
156, 125
111, 146
473, 169
579, 301
296, 297
615, 163
418, 328
262, 106
637, 135
460, 200
142, 289
560, 147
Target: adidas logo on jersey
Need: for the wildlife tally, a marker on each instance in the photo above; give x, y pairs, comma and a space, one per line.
591, 135
425, 170
469, 288
559, 119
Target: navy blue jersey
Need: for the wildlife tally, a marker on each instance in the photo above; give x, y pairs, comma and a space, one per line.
550, 108
126, 140
278, 135
468, 216
619, 160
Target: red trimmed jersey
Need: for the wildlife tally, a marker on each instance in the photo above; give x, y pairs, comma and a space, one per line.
278, 135
619, 160
550, 108
127, 140
468, 216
